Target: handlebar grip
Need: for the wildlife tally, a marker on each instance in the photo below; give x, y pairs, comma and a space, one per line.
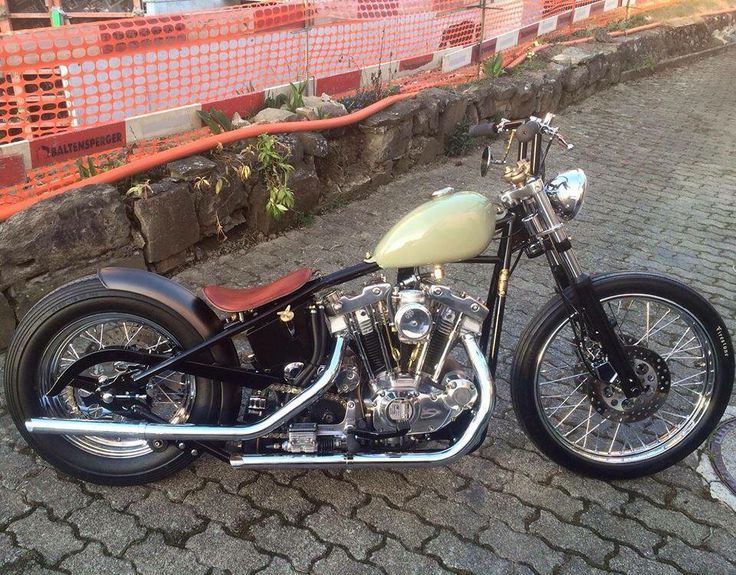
487, 129
526, 132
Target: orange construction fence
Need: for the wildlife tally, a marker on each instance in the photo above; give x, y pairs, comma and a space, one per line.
96, 89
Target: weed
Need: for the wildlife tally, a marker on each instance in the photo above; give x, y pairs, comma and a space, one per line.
460, 140
272, 159
139, 189
493, 67
215, 120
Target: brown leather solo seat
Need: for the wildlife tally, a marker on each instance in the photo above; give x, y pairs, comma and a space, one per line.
234, 300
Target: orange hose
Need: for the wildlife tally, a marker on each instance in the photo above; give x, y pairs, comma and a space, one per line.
204, 144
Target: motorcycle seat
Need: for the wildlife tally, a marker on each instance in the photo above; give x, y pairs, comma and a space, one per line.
235, 300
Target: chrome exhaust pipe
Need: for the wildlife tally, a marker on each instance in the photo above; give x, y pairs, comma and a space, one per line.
196, 432
471, 436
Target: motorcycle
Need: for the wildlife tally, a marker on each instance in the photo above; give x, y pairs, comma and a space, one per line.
125, 377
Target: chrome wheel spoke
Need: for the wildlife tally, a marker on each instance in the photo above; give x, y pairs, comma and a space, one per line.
660, 329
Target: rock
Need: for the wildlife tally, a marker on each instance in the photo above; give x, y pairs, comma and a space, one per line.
74, 226
26, 293
387, 143
314, 144
393, 115
572, 56
333, 110
190, 168
453, 114
308, 113
306, 187
167, 219
7, 322
238, 122
503, 89
274, 115
315, 101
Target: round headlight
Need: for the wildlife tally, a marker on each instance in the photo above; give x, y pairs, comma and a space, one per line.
566, 193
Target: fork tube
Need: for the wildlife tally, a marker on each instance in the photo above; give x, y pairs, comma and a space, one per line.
497, 299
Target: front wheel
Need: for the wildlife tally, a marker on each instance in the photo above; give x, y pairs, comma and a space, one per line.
681, 351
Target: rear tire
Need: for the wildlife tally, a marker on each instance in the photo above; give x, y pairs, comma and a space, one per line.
568, 445
29, 368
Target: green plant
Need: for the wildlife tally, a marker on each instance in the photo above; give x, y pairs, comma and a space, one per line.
86, 169
295, 99
493, 67
460, 140
273, 163
215, 120
139, 189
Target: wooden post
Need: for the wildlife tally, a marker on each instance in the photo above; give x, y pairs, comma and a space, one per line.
6, 24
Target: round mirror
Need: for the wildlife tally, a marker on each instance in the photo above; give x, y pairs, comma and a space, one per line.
486, 161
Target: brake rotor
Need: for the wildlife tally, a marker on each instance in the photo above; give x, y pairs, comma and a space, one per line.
609, 400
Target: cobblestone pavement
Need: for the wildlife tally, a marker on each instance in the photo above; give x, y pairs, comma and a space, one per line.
660, 156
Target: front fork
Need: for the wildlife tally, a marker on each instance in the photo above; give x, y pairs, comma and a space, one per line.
543, 223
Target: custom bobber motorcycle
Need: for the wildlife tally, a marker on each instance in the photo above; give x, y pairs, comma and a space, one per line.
125, 377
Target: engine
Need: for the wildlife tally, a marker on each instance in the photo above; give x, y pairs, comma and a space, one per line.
401, 372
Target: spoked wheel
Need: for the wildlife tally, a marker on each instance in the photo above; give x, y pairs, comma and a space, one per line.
85, 317
681, 352
170, 395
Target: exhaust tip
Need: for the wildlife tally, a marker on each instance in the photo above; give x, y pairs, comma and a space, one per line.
29, 426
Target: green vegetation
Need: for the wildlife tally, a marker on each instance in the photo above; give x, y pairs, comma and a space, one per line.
215, 120
293, 100
493, 67
272, 158
460, 140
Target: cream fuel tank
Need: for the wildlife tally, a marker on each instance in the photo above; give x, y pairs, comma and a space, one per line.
451, 227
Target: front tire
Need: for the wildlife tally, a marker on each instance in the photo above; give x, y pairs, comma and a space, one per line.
82, 317
580, 422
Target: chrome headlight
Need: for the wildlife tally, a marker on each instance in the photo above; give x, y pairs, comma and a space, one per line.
566, 193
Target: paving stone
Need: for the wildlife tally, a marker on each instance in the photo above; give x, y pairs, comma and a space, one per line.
404, 526
298, 544
230, 510
15, 467
216, 548
667, 520
62, 497
476, 468
267, 494
576, 566
593, 490
439, 479
697, 560
177, 520
572, 538
177, 487
115, 530
390, 485
11, 553
229, 478
31, 568
620, 529
338, 563
92, 561
119, 497
394, 558
446, 513
278, 566
320, 487
11, 506
52, 539
461, 555
705, 510
487, 503
332, 527
153, 556
628, 561
520, 547
536, 495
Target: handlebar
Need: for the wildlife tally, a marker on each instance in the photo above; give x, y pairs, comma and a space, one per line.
526, 130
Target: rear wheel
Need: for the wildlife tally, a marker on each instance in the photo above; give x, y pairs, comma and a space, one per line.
681, 351
81, 318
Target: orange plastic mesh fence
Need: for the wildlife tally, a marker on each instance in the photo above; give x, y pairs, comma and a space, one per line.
95, 79
56, 79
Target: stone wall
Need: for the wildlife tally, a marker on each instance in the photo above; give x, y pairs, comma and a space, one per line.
164, 225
